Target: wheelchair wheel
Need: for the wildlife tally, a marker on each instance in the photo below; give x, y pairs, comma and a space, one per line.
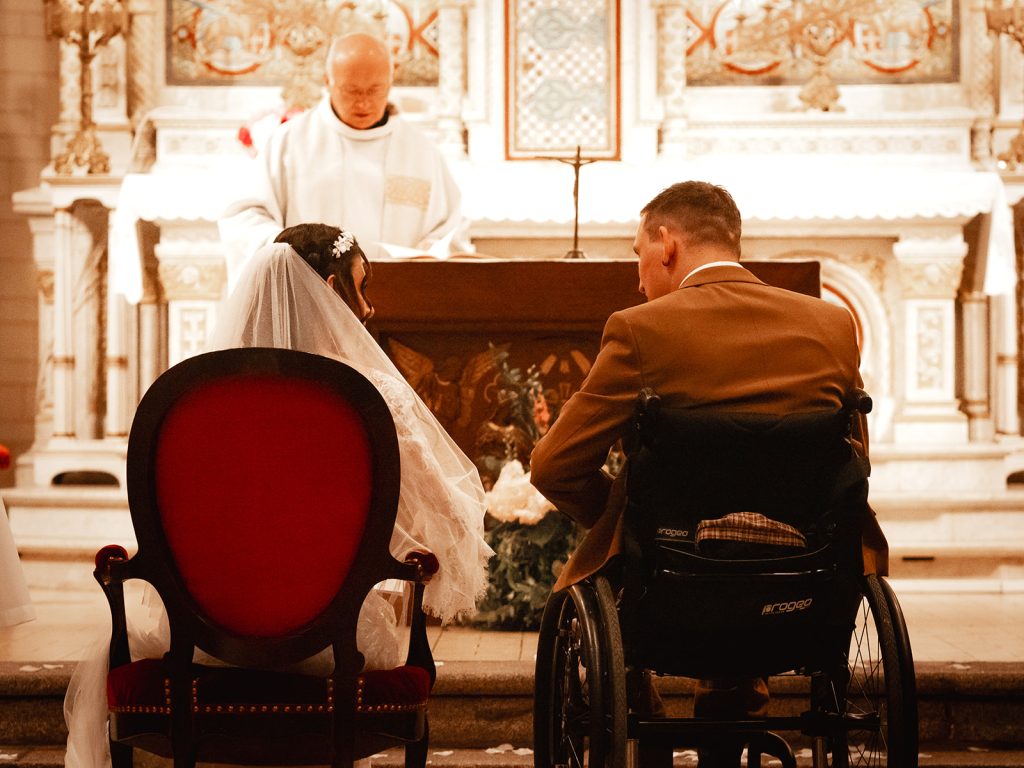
579, 714
908, 677
876, 692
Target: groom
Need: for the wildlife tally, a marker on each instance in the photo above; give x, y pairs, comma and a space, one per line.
710, 334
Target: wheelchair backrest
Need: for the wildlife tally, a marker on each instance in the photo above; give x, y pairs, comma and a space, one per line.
746, 608
693, 464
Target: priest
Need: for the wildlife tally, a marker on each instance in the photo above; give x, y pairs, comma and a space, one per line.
352, 162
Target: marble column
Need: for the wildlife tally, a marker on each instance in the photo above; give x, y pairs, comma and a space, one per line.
672, 28
120, 403
929, 270
193, 277
975, 367
152, 333
70, 246
143, 39
980, 83
451, 85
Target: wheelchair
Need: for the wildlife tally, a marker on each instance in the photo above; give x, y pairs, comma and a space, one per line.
674, 605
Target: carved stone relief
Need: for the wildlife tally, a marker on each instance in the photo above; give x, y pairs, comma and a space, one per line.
931, 343
192, 279
465, 384
193, 327
930, 279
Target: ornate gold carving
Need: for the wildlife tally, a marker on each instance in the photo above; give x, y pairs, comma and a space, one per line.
447, 391
812, 29
407, 190
192, 279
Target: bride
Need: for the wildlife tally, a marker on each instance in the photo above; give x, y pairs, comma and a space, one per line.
307, 292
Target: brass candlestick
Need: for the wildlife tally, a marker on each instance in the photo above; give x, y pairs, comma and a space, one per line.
87, 24
1009, 21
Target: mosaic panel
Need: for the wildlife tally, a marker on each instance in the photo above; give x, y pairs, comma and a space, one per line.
766, 42
562, 70
260, 42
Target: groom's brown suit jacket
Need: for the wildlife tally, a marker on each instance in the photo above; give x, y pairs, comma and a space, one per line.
723, 339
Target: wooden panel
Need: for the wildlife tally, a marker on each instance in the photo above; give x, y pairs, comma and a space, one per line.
564, 295
440, 322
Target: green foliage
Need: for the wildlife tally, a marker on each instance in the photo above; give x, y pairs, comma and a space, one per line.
528, 559
518, 392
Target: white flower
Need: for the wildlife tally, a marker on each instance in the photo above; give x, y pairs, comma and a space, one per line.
513, 499
342, 245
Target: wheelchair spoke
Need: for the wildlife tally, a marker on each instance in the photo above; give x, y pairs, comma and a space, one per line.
576, 696
873, 692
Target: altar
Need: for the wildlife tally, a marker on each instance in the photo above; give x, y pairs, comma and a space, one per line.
896, 194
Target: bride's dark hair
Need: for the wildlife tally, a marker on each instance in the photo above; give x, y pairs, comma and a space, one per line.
315, 244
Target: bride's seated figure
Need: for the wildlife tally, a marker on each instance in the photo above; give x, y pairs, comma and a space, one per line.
307, 292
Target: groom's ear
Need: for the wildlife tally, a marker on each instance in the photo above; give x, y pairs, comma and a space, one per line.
669, 247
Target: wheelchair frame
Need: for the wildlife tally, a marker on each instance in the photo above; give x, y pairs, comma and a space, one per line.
861, 709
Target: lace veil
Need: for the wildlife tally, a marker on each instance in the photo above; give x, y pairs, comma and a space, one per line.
280, 301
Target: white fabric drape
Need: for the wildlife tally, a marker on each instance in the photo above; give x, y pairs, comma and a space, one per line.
15, 603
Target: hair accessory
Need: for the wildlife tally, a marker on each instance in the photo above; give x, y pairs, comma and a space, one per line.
343, 244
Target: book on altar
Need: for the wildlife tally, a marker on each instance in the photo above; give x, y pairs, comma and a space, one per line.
439, 250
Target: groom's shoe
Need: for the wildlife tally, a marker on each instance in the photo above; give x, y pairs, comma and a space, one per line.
719, 757
643, 698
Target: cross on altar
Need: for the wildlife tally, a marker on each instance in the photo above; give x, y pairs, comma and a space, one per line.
576, 162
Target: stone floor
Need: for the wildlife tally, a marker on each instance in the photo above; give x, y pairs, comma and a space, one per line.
944, 626
964, 630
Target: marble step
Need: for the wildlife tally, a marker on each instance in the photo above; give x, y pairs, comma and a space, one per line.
440, 757
972, 540
480, 705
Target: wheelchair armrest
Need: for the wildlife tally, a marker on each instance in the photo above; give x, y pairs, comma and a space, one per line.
112, 570
857, 401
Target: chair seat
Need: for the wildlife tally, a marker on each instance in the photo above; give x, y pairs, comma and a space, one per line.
144, 687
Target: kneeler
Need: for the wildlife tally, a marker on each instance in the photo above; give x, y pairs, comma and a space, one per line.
263, 487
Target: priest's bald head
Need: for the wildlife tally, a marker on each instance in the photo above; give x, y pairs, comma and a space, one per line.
359, 72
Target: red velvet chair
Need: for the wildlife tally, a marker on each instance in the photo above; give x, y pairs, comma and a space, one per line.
263, 485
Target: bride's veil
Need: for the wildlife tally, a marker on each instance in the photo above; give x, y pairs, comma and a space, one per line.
280, 301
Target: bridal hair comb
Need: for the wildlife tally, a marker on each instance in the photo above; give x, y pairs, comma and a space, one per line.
343, 244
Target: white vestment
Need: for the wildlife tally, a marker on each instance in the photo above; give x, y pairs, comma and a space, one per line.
387, 184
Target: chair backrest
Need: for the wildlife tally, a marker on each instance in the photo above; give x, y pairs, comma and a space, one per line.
263, 486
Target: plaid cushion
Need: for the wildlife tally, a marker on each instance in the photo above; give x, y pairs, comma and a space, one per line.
749, 527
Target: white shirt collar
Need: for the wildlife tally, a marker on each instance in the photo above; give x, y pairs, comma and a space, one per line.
365, 134
706, 266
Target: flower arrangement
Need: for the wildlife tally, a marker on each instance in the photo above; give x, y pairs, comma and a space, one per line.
531, 546
254, 134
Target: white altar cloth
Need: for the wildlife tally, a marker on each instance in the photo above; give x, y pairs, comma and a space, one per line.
806, 188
